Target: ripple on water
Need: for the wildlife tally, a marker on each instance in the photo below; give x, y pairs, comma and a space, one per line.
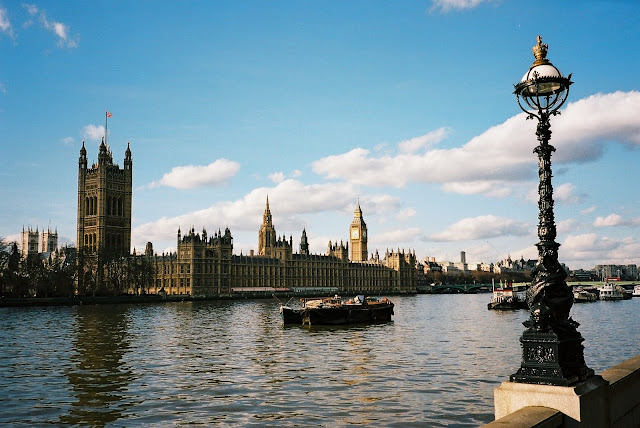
233, 363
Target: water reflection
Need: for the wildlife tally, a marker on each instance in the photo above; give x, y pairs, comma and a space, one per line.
98, 375
235, 364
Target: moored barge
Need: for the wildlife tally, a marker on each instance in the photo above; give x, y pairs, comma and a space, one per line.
335, 311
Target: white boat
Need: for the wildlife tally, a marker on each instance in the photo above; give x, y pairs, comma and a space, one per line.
610, 290
581, 296
636, 291
509, 296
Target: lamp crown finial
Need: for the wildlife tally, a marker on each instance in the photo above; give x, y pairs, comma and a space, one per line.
540, 52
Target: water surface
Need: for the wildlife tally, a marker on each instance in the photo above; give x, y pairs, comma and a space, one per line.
234, 364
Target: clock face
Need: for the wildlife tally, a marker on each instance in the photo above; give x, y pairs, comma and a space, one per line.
355, 233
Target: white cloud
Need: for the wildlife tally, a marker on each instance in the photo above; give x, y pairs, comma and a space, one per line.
32, 9
423, 142
5, 23
566, 226
483, 227
488, 188
615, 220
68, 141
499, 158
591, 249
277, 177
10, 239
448, 5
3, 89
589, 210
191, 176
61, 30
406, 214
609, 221
93, 132
580, 132
394, 237
566, 193
287, 200
485, 158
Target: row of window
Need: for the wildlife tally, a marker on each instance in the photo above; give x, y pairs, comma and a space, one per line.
114, 205
112, 240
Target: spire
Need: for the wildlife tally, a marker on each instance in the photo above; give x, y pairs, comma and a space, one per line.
358, 212
82, 160
104, 157
266, 217
127, 153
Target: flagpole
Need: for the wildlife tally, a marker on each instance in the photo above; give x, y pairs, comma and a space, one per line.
106, 115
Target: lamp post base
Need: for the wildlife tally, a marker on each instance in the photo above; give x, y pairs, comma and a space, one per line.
550, 358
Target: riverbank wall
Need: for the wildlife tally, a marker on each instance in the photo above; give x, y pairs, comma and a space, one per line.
154, 298
609, 400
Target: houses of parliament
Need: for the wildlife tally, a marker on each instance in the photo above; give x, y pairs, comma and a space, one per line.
204, 265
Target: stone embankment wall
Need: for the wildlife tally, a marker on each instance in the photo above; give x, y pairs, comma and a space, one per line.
619, 404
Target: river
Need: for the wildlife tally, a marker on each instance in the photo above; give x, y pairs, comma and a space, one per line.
232, 363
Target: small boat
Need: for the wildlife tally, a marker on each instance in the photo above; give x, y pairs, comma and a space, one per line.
509, 297
291, 315
335, 311
581, 295
636, 291
610, 290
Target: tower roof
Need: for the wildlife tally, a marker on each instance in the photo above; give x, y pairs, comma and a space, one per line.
358, 212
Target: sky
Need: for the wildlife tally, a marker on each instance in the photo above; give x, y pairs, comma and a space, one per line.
405, 107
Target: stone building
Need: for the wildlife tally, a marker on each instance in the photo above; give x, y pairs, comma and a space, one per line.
205, 265
104, 202
29, 244
358, 236
48, 242
625, 272
104, 213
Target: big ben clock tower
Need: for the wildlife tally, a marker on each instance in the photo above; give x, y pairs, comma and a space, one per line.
358, 237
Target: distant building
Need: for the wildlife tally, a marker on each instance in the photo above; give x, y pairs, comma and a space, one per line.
625, 272
34, 243
29, 242
515, 266
49, 241
430, 265
486, 267
205, 265
582, 275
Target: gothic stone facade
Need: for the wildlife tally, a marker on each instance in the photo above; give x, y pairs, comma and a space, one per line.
206, 266
104, 202
104, 210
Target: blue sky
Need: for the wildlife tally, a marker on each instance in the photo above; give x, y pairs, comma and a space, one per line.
405, 106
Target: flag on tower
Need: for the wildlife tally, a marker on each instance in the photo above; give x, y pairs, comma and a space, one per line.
109, 114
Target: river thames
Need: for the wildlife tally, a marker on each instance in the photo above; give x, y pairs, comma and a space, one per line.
232, 363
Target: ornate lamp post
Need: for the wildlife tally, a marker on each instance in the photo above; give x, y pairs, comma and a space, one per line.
552, 351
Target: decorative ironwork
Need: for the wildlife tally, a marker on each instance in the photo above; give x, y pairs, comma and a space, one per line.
552, 351
540, 354
540, 52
